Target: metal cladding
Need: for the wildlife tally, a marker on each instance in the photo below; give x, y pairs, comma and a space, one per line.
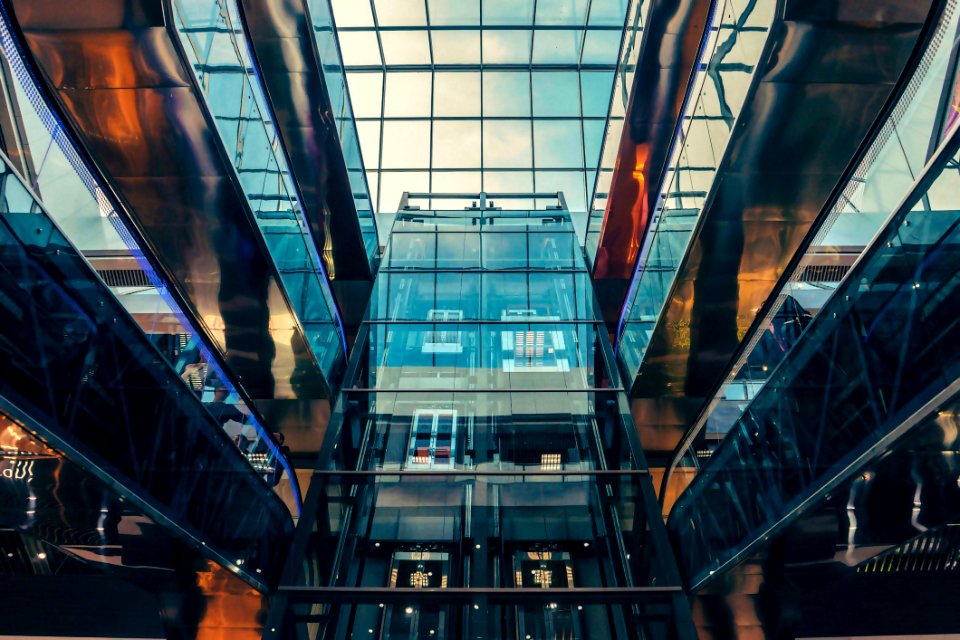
81, 374
116, 73
829, 71
282, 39
667, 59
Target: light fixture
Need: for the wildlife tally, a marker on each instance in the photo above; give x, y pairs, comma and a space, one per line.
550, 461
408, 610
42, 556
420, 579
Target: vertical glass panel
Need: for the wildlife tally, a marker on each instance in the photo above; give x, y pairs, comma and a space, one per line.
557, 143
506, 93
504, 250
506, 47
506, 143
456, 144
555, 93
456, 94
373, 182
406, 144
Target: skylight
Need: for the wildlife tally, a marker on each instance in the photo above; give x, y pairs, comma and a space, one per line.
458, 96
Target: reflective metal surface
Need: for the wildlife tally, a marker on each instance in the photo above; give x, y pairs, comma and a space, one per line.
878, 369
114, 70
281, 36
80, 373
75, 201
813, 101
837, 239
670, 48
60, 523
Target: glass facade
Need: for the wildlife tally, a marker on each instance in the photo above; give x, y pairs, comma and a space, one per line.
485, 448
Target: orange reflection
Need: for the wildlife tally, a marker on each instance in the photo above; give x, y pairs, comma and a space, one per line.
14, 438
621, 235
234, 610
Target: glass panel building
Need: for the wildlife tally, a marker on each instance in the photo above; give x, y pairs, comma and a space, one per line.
480, 319
484, 441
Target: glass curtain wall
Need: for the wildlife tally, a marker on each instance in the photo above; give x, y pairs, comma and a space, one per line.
482, 477
459, 96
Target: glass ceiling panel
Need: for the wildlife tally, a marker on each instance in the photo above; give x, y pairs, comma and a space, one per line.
469, 95
456, 94
506, 47
351, 13
405, 47
512, 12
456, 47
557, 46
360, 48
455, 12
400, 13
561, 12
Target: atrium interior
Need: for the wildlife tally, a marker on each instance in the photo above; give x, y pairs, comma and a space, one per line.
479, 319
